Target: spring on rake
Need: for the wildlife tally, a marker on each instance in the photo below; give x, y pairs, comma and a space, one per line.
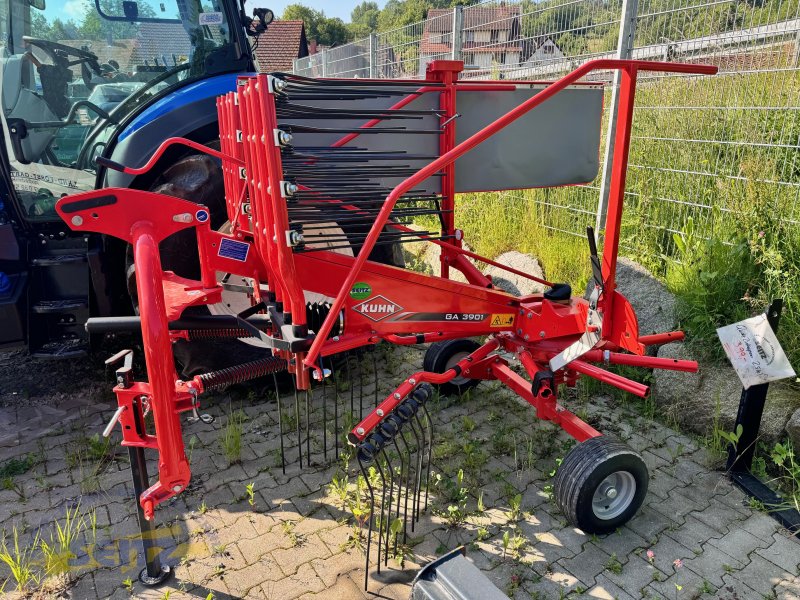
400, 487
241, 373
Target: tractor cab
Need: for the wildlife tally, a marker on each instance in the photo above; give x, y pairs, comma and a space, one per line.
72, 72
80, 79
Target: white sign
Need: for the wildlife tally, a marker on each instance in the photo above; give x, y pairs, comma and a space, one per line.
211, 18
754, 351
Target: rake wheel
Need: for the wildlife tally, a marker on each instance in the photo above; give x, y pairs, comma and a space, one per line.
442, 356
600, 485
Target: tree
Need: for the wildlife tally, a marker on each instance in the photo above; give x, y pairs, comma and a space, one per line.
328, 32
364, 19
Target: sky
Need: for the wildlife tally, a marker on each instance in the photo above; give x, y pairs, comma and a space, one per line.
331, 8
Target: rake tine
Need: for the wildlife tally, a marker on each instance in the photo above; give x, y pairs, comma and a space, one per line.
399, 483
371, 521
280, 422
352, 383
383, 507
308, 430
390, 469
417, 473
430, 450
335, 409
406, 486
324, 415
297, 426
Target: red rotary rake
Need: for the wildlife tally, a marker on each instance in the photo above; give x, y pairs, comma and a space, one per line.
320, 175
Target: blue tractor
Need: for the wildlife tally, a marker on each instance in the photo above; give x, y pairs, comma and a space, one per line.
82, 79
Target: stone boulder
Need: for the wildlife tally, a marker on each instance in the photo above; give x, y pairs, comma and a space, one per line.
793, 429
514, 284
701, 401
650, 298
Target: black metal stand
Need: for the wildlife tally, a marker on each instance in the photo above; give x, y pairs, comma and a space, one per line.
740, 455
154, 572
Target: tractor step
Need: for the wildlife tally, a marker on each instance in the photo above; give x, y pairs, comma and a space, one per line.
62, 349
57, 306
58, 260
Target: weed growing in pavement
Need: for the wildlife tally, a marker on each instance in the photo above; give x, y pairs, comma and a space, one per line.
203, 508
58, 551
614, 565
250, 488
481, 507
288, 530
16, 466
515, 509
455, 496
127, 584
20, 560
785, 459
231, 439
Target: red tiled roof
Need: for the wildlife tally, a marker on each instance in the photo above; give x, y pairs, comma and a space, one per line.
279, 45
499, 18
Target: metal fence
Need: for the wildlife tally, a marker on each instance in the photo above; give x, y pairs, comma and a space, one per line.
705, 149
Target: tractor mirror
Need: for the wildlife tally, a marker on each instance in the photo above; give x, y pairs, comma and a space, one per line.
130, 9
37, 4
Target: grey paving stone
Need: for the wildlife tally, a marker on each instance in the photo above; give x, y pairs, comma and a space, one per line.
719, 517
762, 575
605, 589
649, 523
784, 552
636, 574
587, 565
622, 542
760, 525
712, 564
739, 544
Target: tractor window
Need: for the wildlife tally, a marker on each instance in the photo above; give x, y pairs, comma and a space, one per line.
71, 71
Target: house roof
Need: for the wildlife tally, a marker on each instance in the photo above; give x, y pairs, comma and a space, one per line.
498, 18
279, 45
476, 18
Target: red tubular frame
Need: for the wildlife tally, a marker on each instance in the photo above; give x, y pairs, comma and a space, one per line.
173, 466
532, 328
624, 118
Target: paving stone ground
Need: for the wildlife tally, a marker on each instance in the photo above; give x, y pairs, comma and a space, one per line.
296, 539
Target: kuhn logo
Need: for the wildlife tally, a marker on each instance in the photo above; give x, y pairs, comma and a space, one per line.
377, 308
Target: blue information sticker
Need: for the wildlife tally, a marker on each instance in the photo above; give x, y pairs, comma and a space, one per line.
233, 250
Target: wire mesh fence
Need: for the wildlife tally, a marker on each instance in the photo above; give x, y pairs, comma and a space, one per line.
704, 151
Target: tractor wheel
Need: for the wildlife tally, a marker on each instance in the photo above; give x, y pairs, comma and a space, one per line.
600, 485
442, 356
198, 178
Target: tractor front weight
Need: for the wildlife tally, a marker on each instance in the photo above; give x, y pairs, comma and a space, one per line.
323, 178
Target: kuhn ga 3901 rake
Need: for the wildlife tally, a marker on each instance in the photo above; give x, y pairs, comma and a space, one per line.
321, 178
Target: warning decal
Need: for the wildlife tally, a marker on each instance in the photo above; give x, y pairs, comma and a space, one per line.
234, 250
504, 320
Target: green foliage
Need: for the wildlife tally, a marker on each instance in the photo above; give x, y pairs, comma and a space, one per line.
16, 466
326, 31
20, 560
58, 551
231, 438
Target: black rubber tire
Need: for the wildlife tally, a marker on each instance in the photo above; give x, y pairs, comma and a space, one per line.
439, 354
197, 178
584, 468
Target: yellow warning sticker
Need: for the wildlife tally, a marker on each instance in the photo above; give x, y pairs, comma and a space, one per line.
502, 320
